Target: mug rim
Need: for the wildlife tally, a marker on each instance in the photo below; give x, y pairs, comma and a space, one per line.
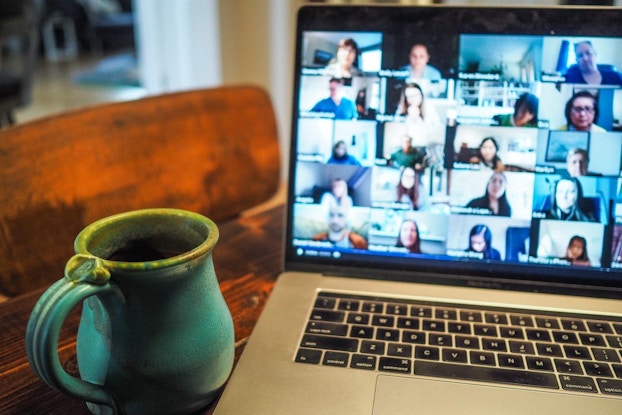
87, 235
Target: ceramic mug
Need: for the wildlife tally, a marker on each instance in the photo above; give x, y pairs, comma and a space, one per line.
155, 335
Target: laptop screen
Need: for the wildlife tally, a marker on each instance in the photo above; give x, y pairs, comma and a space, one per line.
480, 142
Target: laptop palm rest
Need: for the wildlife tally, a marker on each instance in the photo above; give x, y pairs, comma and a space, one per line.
399, 395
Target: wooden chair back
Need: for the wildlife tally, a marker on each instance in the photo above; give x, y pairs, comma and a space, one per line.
212, 151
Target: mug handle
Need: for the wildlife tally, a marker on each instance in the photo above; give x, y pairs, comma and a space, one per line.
85, 276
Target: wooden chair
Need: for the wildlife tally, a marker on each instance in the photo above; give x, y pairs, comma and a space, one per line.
212, 151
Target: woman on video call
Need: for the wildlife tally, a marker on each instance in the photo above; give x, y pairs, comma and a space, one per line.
409, 237
480, 240
488, 156
566, 199
495, 199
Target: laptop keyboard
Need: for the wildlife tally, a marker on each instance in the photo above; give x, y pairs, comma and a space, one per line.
553, 351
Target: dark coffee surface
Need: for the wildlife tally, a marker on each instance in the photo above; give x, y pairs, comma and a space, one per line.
140, 250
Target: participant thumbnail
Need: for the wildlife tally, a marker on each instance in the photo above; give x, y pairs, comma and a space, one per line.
495, 148
582, 60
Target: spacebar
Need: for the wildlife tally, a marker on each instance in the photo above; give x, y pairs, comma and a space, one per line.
486, 374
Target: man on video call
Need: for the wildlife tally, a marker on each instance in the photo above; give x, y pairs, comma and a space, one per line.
336, 103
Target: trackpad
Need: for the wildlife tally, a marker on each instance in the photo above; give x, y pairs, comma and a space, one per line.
398, 395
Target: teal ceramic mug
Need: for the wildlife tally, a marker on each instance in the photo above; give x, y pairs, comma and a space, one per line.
155, 335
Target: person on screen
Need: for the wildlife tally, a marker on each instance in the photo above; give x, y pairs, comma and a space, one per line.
495, 199
588, 71
338, 232
480, 240
567, 197
582, 113
576, 252
407, 155
409, 237
412, 107
525, 113
336, 103
338, 196
343, 65
419, 66
340, 155
488, 157
408, 188
577, 161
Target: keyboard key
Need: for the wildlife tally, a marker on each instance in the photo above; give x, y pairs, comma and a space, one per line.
423, 312
433, 325
485, 330
597, 369
539, 363
615, 341
568, 366
610, 386
336, 359
605, 355
493, 344
599, 327
471, 316
573, 325
325, 302
400, 350
510, 360
592, 339
455, 355
467, 342
482, 358
547, 323
388, 335
329, 342
416, 337
327, 315
538, 335
373, 307
440, 340
578, 383
552, 350
309, 356
397, 309
392, 364
372, 347
349, 305
486, 374
617, 327
332, 329
521, 347
356, 318
512, 333
366, 362
362, 332
522, 321
617, 369
427, 352
496, 318
461, 328
577, 352
408, 323
383, 321
565, 337
446, 314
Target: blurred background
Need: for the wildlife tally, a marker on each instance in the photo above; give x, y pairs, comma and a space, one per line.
58, 55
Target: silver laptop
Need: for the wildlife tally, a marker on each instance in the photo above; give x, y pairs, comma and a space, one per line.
454, 221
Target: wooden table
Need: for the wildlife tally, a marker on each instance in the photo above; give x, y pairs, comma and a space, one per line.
247, 260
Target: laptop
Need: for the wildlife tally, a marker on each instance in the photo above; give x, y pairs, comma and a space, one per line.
453, 239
